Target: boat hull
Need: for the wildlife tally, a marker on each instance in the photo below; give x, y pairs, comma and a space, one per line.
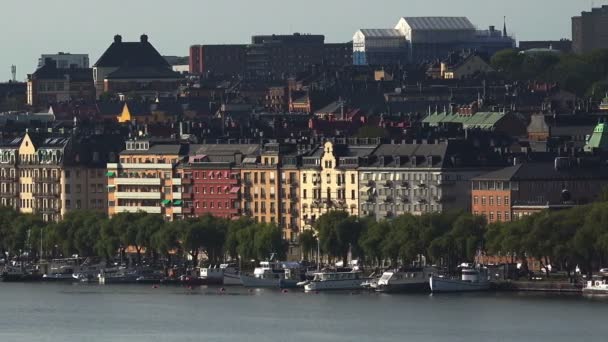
453, 285
249, 281
231, 279
18, 278
404, 287
335, 285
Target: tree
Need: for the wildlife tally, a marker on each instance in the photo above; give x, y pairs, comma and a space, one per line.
308, 242
508, 62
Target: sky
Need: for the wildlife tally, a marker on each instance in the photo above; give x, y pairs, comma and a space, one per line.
29, 28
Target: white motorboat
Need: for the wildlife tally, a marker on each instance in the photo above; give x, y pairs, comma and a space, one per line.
471, 280
323, 281
596, 287
272, 274
405, 280
225, 274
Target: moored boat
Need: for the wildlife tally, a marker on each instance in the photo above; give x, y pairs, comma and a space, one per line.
18, 273
273, 274
471, 280
596, 287
323, 281
405, 280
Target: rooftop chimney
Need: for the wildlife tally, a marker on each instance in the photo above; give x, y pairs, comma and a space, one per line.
144, 38
117, 39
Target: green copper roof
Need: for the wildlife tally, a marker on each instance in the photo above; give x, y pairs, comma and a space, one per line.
599, 138
483, 120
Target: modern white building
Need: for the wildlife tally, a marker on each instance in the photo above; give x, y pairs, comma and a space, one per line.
419, 39
65, 60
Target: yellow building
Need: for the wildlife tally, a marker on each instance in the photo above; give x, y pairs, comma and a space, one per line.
43, 174
145, 179
329, 180
465, 68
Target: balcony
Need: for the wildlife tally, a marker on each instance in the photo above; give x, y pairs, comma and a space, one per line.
186, 181
138, 195
177, 210
7, 179
48, 210
187, 195
46, 194
140, 166
149, 210
137, 181
177, 196
46, 179
8, 194
177, 181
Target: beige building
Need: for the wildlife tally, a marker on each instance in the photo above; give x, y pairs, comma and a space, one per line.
145, 179
329, 180
43, 174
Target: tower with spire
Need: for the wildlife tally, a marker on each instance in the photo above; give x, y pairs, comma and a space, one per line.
504, 27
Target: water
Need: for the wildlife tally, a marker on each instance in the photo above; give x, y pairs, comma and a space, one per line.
62, 312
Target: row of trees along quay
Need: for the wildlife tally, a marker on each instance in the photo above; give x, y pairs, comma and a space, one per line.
563, 239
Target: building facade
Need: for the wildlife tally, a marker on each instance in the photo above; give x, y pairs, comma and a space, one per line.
218, 60
329, 181
145, 179
525, 189
48, 176
64, 60
50, 84
590, 30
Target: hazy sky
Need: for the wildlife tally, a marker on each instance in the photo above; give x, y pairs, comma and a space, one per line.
29, 28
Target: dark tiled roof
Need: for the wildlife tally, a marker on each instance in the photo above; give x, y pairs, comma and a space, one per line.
50, 72
134, 54
128, 72
545, 171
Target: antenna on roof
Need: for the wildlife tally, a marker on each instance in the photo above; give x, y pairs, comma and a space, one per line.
504, 27
14, 72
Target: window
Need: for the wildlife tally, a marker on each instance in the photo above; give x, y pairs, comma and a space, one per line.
352, 194
483, 200
506, 216
352, 178
304, 194
78, 188
491, 200
491, 216
498, 216
304, 178
475, 200
498, 200
506, 200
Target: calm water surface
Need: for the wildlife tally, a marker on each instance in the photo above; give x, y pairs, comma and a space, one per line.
61, 312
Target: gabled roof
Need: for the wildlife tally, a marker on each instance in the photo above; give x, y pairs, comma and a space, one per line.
483, 120
133, 54
439, 23
140, 72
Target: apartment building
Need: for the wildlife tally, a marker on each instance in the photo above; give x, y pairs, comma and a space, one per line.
51, 174
146, 179
212, 181
329, 180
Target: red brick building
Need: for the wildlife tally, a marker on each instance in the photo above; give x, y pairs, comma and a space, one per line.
528, 188
225, 60
212, 172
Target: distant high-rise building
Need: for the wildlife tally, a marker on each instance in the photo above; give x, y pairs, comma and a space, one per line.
280, 56
221, 60
65, 60
590, 30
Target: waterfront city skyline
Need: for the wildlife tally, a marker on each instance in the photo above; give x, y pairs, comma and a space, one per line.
79, 27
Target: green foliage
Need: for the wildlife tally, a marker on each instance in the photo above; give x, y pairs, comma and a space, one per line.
580, 74
308, 242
